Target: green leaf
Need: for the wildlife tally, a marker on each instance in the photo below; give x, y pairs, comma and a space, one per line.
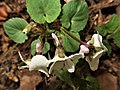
111, 29
43, 10
116, 39
75, 15
106, 43
14, 29
111, 26
33, 46
79, 82
64, 75
92, 83
102, 30
46, 48
69, 44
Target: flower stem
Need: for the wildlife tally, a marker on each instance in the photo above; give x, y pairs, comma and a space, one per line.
72, 36
74, 88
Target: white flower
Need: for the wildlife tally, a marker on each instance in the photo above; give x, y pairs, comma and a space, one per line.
60, 61
93, 57
38, 62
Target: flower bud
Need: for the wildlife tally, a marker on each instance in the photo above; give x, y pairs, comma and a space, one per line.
84, 49
38, 48
55, 38
66, 1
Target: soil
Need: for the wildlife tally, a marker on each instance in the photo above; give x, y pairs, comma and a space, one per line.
12, 78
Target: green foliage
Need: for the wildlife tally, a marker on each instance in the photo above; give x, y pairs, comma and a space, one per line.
79, 82
33, 46
69, 44
14, 29
75, 15
88, 83
102, 30
106, 43
46, 48
111, 29
64, 75
42, 11
116, 39
92, 83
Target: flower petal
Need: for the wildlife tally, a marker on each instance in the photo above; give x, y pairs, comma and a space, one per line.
93, 57
22, 67
38, 62
93, 64
97, 55
45, 71
96, 40
83, 55
56, 65
76, 56
72, 57
26, 62
69, 65
60, 59
95, 60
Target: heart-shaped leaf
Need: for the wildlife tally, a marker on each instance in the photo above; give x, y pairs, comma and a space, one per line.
111, 26
43, 10
111, 29
14, 29
69, 44
75, 15
46, 48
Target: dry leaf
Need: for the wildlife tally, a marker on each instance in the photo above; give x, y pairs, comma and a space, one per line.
4, 46
29, 80
11, 76
4, 9
107, 81
100, 18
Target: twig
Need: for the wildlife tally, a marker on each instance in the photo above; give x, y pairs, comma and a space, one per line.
78, 40
91, 2
95, 8
7, 52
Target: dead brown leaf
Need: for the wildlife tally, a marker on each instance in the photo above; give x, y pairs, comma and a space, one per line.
5, 46
107, 81
29, 80
4, 41
12, 77
4, 9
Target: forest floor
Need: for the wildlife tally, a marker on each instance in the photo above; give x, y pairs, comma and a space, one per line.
11, 78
